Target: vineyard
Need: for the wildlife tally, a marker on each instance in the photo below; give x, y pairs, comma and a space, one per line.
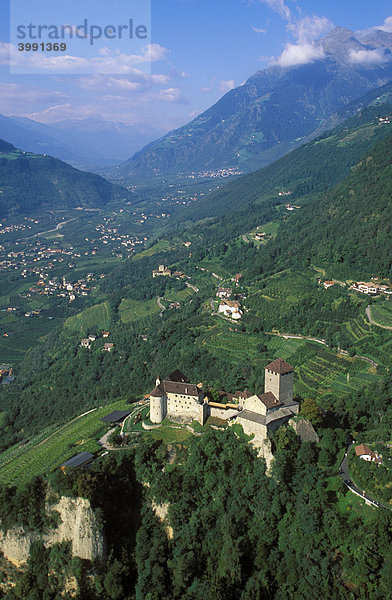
133, 310
235, 346
382, 315
358, 328
97, 316
52, 447
325, 371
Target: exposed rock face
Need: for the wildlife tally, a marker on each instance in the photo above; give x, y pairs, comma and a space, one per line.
305, 430
78, 525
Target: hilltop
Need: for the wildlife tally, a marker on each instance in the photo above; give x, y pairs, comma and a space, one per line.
32, 182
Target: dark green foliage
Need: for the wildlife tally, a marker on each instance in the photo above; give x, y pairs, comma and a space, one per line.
32, 182
348, 229
24, 506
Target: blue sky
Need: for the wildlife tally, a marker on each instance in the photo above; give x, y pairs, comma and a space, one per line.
199, 49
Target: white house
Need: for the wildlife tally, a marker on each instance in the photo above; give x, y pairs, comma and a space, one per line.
231, 309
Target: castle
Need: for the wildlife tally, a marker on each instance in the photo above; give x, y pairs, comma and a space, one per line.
178, 399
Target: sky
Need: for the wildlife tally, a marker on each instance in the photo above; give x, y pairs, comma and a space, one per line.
188, 55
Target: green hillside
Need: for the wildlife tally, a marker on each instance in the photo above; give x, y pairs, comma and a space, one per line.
31, 182
308, 170
347, 229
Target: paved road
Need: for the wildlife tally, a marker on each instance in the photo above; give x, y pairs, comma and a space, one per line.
58, 226
160, 306
346, 478
369, 316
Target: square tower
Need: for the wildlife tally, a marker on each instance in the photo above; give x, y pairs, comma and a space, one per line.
279, 379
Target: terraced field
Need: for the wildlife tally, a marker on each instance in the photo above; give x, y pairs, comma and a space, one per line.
235, 346
21, 333
359, 328
238, 347
328, 372
133, 310
53, 446
179, 296
382, 314
161, 246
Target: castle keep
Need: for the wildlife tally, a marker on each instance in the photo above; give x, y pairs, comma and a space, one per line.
177, 398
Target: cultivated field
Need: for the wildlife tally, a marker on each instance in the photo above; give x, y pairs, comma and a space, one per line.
97, 316
133, 310
382, 314
53, 446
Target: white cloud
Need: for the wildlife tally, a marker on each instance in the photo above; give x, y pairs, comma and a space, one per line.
107, 61
280, 7
138, 82
367, 57
172, 95
387, 25
205, 90
299, 54
226, 86
309, 28
258, 29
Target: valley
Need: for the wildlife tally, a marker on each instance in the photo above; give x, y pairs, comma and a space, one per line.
196, 344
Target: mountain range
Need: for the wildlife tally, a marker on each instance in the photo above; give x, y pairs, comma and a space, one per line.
274, 111
89, 144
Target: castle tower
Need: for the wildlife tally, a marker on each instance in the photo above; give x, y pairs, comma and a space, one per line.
279, 379
157, 405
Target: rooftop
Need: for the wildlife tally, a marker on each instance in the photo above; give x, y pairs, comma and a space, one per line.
116, 416
280, 366
269, 400
363, 449
79, 460
249, 415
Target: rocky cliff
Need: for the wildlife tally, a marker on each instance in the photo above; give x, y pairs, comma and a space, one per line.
77, 524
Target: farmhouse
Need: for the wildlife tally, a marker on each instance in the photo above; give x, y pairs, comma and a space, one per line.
371, 289
230, 308
224, 292
364, 452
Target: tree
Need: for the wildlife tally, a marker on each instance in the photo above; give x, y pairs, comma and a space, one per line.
311, 411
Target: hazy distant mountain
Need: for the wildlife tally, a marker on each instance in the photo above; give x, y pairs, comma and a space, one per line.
31, 182
274, 111
86, 143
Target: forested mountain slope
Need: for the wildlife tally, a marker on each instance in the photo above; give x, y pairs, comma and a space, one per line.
313, 168
31, 182
349, 228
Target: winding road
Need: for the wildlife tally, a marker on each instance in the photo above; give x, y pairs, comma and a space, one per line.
160, 306
369, 316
